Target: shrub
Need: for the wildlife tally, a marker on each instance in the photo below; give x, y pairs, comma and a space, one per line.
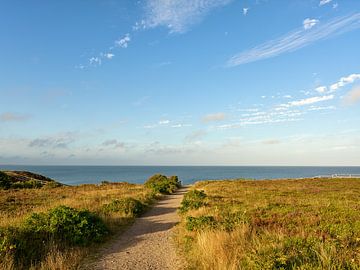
28, 184
129, 206
193, 199
200, 223
5, 182
68, 224
161, 184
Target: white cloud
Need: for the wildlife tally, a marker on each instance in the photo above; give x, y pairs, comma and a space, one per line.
308, 101
123, 42
321, 89
164, 122
335, 5
245, 11
297, 39
214, 117
344, 81
324, 2
109, 55
177, 15
353, 96
310, 23
95, 61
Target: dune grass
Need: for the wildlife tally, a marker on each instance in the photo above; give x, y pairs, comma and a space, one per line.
275, 224
17, 205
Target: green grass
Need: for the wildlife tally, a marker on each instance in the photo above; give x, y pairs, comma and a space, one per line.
277, 224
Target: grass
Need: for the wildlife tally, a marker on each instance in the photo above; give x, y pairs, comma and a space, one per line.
18, 207
275, 224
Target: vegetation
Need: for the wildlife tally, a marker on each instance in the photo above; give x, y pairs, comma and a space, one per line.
23, 179
55, 228
127, 206
277, 224
194, 199
162, 184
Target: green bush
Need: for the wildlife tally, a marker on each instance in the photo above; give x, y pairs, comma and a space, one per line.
129, 206
28, 184
161, 184
63, 225
193, 199
5, 182
68, 224
200, 223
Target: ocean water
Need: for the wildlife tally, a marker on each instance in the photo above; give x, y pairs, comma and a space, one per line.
74, 175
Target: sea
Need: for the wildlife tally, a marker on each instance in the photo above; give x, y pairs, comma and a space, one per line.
76, 175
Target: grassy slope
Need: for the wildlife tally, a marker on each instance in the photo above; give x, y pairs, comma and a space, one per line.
17, 204
278, 224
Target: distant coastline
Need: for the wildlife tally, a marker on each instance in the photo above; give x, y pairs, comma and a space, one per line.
74, 175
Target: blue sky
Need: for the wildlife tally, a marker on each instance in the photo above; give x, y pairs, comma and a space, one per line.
165, 82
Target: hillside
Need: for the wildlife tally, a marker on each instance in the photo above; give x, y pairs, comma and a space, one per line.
24, 179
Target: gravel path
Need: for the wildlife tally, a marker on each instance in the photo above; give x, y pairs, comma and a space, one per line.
147, 244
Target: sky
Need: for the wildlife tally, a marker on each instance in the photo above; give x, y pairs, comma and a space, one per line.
180, 82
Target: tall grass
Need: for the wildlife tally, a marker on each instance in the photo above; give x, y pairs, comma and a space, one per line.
282, 224
17, 205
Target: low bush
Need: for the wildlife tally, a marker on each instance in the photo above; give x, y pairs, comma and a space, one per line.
31, 241
162, 184
193, 199
5, 182
200, 223
28, 184
128, 206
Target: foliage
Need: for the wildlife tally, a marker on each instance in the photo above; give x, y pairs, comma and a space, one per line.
128, 206
162, 184
277, 224
67, 226
5, 182
200, 223
22, 243
28, 184
193, 199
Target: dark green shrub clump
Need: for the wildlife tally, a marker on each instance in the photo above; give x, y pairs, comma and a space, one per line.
200, 223
63, 225
193, 199
129, 206
162, 184
68, 224
5, 182
28, 184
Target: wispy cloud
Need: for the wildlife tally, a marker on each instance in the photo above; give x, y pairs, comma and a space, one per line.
56, 141
214, 117
297, 39
353, 96
195, 136
309, 23
308, 101
123, 42
13, 117
113, 144
177, 15
324, 2
344, 81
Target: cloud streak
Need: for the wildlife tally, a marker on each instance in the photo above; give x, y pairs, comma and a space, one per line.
177, 15
296, 40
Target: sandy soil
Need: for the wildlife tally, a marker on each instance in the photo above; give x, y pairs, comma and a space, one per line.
147, 244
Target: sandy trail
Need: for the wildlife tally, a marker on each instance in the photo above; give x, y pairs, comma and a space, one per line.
147, 244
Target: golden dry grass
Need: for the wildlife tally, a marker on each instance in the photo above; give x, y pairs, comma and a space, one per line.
277, 224
17, 205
